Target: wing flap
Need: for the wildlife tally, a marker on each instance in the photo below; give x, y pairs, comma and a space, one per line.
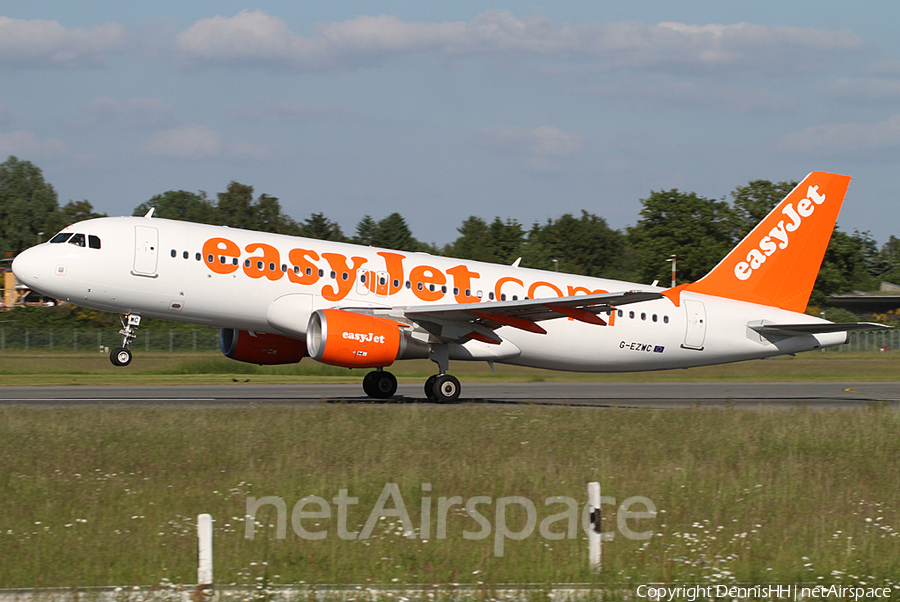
532, 310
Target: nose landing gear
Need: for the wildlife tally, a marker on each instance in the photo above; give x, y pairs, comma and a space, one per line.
121, 356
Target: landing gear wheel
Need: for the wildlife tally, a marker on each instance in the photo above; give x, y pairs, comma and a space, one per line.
120, 356
380, 384
429, 387
445, 388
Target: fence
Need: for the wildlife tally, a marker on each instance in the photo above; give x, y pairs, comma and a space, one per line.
92, 339
872, 340
207, 339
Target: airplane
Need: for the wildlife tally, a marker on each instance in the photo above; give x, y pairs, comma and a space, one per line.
278, 299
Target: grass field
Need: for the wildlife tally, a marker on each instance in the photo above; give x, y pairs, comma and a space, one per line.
109, 496
45, 368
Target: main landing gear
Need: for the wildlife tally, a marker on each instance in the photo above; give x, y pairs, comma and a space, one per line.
380, 384
121, 356
439, 388
442, 387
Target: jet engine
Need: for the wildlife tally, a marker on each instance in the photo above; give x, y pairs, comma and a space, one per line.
260, 348
351, 340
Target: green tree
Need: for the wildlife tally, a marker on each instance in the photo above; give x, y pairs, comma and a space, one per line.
473, 241
497, 242
393, 233
180, 205
28, 206
70, 213
268, 217
753, 202
584, 245
319, 226
365, 231
235, 206
78, 211
698, 230
843, 268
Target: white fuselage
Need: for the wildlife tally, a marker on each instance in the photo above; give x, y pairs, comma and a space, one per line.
160, 268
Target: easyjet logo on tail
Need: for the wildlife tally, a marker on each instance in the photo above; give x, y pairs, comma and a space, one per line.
779, 236
777, 263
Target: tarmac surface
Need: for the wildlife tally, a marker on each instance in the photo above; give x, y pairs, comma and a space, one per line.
812, 395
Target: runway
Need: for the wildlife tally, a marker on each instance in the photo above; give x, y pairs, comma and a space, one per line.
813, 395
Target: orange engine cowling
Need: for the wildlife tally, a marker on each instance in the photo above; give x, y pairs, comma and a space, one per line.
351, 340
260, 348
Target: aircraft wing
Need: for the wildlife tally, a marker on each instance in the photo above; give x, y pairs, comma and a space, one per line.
794, 330
460, 321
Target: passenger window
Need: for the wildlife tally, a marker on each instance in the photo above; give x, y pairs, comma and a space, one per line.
61, 237
185, 254
94, 241
77, 240
174, 253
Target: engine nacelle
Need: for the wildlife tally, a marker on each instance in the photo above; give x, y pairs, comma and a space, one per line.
260, 348
351, 340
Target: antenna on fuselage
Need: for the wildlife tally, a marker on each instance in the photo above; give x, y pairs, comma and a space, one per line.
150, 213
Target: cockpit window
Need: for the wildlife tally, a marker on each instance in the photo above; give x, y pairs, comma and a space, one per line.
77, 240
94, 241
61, 237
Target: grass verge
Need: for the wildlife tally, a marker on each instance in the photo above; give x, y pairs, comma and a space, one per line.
109, 496
43, 368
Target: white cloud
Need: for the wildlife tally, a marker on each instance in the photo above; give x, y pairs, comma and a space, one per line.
132, 113
687, 94
26, 144
869, 90
287, 112
543, 141
200, 142
538, 147
255, 38
40, 43
845, 139
193, 141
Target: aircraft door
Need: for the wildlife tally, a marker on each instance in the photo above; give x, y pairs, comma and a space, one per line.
382, 283
146, 250
363, 278
695, 332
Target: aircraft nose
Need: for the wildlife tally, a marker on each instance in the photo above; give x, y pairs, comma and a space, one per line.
27, 266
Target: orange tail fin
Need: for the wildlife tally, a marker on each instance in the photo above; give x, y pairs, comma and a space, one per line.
777, 263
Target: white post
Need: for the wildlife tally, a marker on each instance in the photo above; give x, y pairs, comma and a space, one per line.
205, 535
594, 532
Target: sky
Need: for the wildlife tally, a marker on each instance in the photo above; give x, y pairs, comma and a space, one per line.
440, 111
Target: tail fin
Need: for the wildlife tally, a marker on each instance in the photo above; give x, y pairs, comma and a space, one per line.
777, 263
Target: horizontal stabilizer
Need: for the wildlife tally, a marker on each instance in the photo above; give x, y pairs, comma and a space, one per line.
795, 330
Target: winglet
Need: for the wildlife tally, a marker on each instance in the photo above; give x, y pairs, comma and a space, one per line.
777, 263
